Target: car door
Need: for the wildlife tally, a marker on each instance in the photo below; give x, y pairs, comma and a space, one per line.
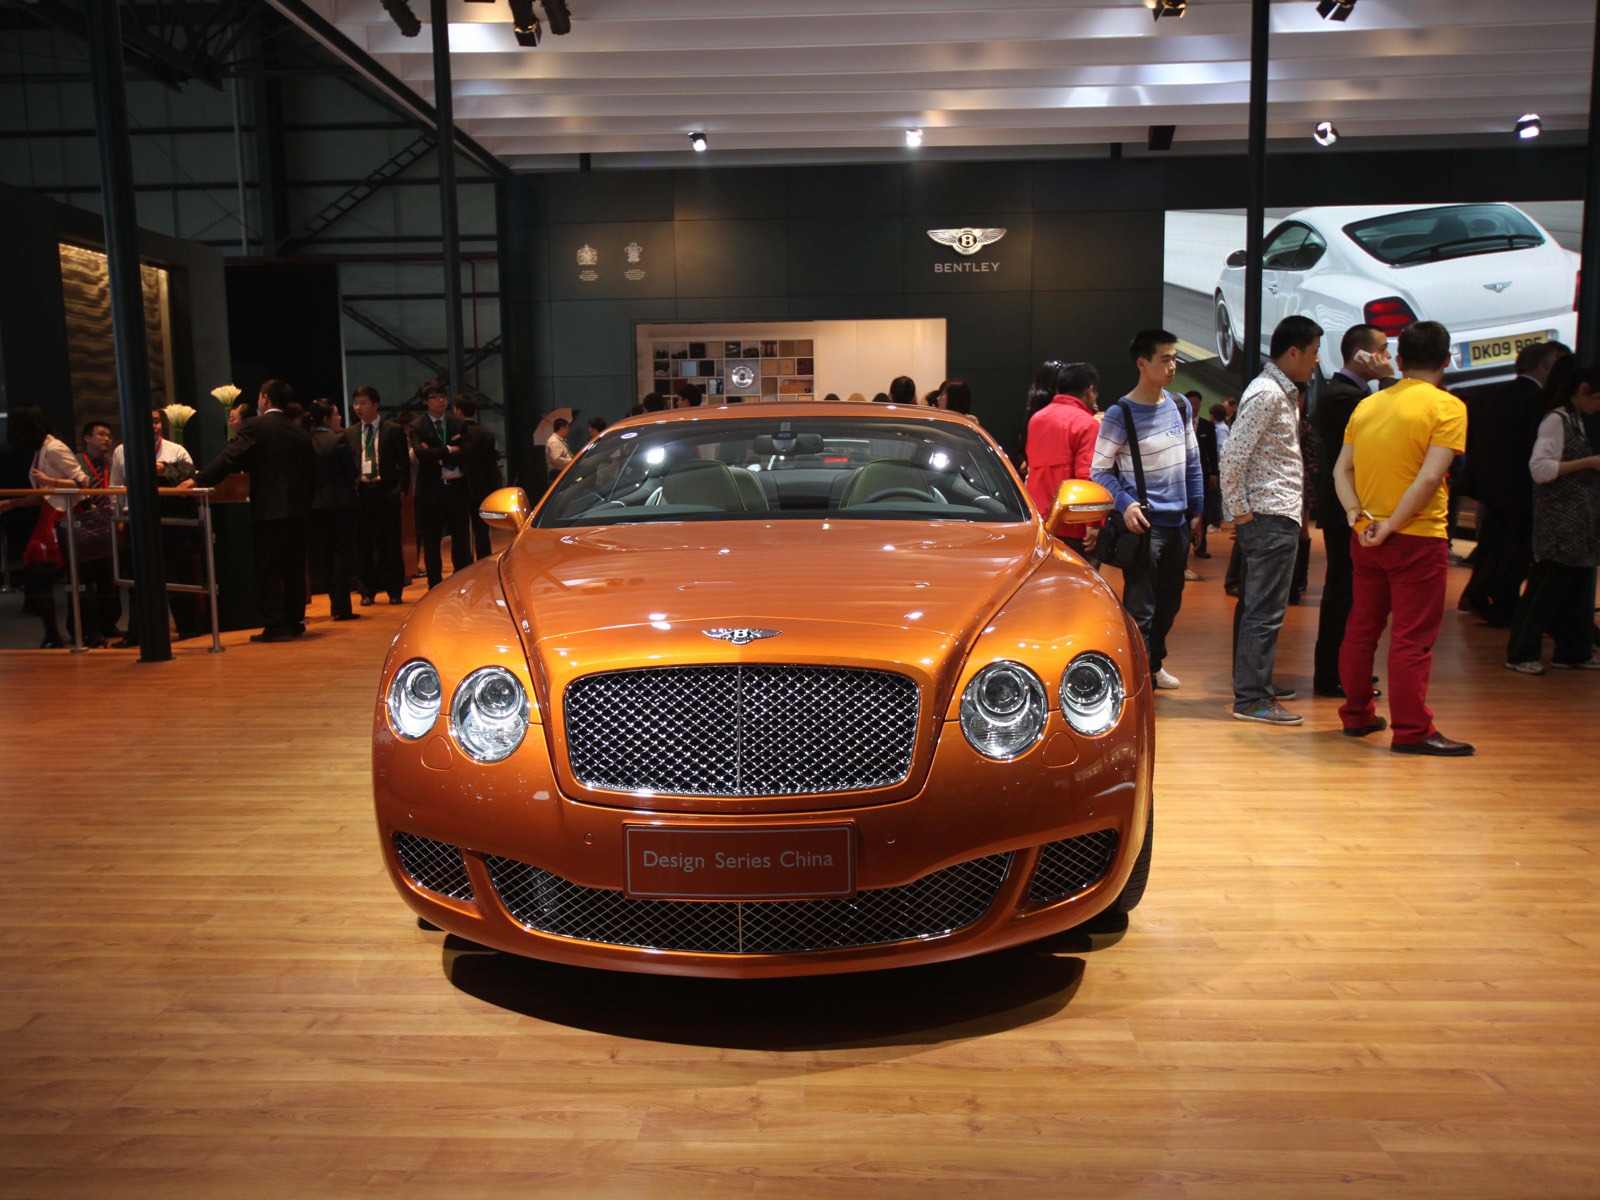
1282, 270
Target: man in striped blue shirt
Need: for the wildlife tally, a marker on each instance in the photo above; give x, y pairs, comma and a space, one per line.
1174, 499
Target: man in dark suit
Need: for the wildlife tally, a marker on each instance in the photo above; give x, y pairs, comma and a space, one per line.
278, 454
1502, 425
1365, 350
333, 508
480, 465
442, 503
383, 464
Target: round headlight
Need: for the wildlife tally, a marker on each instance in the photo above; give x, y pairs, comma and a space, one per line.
1091, 693
1003, 710
489, 714
414, 699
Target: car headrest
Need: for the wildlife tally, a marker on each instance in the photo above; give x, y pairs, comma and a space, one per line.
880, 475
703, 482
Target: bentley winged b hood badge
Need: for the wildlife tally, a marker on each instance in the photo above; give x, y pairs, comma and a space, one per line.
966, 241
740, 636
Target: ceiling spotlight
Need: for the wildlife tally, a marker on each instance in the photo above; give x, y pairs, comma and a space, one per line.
1169, 8
698, 141
1325, 134
525, 22
1335, 10
1529, 126
400, 13
913, 138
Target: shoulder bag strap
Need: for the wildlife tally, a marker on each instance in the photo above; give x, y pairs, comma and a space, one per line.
1133, 445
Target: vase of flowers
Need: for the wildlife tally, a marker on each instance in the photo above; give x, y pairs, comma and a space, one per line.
226, 395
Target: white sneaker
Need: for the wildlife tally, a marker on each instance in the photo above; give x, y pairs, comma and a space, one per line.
1592, 665
1526, 668
1191, 575
1165, 680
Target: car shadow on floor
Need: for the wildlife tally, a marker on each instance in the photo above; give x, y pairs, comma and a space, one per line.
906, 1006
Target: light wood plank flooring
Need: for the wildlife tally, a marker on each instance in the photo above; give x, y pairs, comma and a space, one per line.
1355, 975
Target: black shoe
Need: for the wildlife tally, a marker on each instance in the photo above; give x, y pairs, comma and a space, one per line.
1376, 725
298, 629
1202, 554
397, 599
1436, 745
349, 616
52, 644
126, 643
366, 601
273, 635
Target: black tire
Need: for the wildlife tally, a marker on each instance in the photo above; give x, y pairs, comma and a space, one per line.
1227, 344
1133, 891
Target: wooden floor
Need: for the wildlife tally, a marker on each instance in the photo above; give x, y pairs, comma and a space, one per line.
1355, 974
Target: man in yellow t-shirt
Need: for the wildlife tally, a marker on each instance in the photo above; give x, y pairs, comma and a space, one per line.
1390, 477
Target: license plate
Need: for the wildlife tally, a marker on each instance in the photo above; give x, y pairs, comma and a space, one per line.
1491, 352
672, 862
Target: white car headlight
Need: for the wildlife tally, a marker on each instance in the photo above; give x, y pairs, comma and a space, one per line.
414, 698
1003, 710
489, 714
1091, 693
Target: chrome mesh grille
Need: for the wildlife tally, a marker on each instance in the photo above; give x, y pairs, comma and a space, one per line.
936, 904
1068, 867
436, 866
741, 730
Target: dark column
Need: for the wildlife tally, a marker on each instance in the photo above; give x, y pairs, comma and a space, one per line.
127, 325
267, 100
1589, 285
1250, 352
444, 103
518, 245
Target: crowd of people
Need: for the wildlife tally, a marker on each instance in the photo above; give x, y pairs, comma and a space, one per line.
323, 496
1373, 469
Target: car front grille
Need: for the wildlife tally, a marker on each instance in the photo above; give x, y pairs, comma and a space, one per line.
936, 904
741, 730
436, 866
1068, 867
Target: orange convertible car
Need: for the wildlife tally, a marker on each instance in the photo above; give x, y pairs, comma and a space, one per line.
765, 690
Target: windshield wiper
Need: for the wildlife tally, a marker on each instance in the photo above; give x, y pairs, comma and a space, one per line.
1461, 247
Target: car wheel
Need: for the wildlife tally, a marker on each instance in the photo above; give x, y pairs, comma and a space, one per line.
1133, 890
1227, 344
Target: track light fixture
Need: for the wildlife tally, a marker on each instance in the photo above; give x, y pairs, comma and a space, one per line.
1324, 134
1529, 126
525, 23
1335, 10
405, 20
1169, 8
698, 141
913, 138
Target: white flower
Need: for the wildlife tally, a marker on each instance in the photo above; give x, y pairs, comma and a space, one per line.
227, 393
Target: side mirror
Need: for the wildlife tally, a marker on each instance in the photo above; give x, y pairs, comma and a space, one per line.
1078, 502
504, 512
1237, 259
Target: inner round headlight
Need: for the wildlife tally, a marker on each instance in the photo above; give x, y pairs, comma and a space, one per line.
489, 714
414, 697
1003, 710
1091, 693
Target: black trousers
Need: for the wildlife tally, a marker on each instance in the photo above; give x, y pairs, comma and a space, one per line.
447, 513
1337, 591
1505, 552
280, 574
1559, 600
380, 563
1152, 590
98, 600
333, 549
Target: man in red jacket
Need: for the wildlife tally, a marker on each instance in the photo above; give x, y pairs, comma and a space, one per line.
1061, 444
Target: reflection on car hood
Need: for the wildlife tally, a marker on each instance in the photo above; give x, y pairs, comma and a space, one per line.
925, 578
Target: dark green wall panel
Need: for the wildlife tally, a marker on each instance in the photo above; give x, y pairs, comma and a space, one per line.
732, 258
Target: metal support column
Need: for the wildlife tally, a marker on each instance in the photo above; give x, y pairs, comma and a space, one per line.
127, 325
1589, 286
1255, 217
271, 167
450, 235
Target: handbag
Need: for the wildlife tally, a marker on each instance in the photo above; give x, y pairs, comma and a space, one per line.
93, 527
1119, 545
43, 548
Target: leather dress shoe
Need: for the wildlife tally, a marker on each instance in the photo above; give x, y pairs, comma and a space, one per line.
1435, 745
350, 616
366, 601
1376, 725
397, 599
273, 635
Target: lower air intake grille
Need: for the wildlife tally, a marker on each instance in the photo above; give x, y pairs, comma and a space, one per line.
1067, 868
436, 866
936, 904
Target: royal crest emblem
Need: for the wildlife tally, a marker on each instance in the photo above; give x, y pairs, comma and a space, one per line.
740, 636
966, 241
588, 256
634, 251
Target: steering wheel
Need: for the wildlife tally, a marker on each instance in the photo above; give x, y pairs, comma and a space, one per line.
896, 493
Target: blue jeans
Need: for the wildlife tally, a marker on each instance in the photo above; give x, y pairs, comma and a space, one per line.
1268, 544
1152, 591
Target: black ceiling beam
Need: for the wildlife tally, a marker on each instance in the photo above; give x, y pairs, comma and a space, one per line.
309, 21
149, 54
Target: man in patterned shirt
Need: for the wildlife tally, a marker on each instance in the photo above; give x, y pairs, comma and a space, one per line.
1263, 478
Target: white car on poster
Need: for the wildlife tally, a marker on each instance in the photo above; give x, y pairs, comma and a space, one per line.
1488, 272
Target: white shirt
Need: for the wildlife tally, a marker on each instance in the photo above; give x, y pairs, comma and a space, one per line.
369, 462
167, 451
556, 453
56, 460
1544, 464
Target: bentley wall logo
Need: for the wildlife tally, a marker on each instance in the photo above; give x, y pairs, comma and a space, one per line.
741, 636
1497, 288
966, 242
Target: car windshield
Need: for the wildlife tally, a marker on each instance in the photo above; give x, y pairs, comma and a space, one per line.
803, 468
1453, 231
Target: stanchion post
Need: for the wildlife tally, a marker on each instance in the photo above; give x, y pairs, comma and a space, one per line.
211, 569
72, 570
